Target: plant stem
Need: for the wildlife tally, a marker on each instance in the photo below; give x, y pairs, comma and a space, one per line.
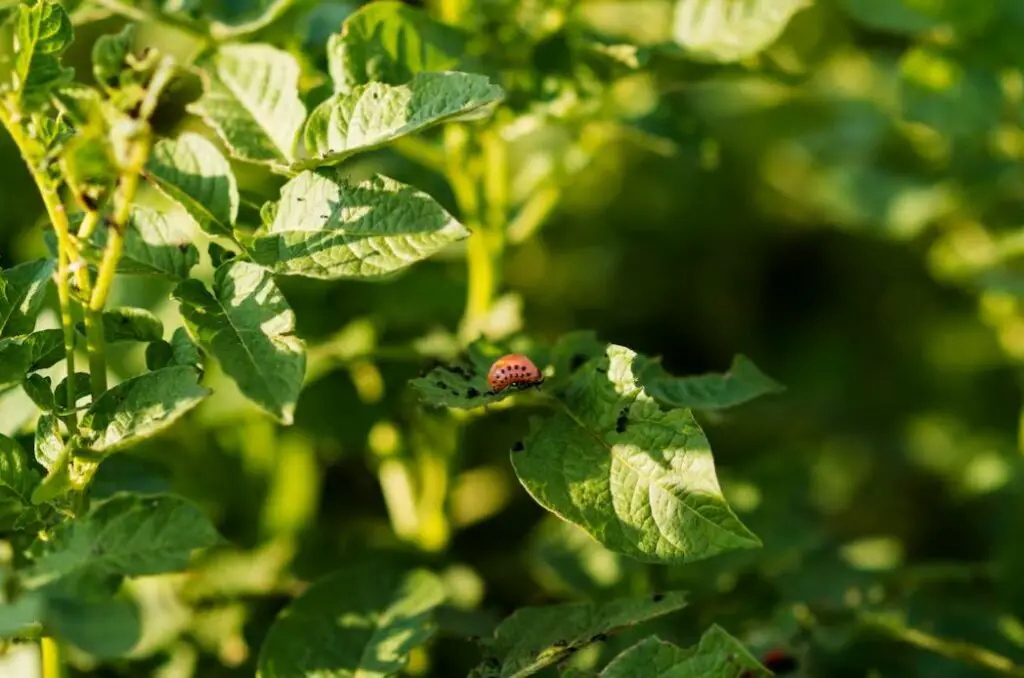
533, 213
53, 665
59, 218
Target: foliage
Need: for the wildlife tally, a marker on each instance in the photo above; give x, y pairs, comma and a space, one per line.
245, 421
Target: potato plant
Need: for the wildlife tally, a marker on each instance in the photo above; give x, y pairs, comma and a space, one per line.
206, 469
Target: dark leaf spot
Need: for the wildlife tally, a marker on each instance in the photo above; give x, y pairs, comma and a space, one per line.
472, 392
599, 638
658, 597
441, 385
518, 446
577, 361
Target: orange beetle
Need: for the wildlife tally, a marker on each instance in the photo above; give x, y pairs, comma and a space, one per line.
513, 370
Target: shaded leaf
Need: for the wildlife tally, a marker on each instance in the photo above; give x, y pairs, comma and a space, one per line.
731, 30
38, 388
390, 42
127, 535
17, 480
83, 389
718, 655
360, 621
18, 609
536, 637
28, 353
638, 479
49, 446
131, 324
104, 628
373, 114
191, 171
742, 383
251, 98
184, 350
159, 354
247, 324
140, 408
23, 293
325, 228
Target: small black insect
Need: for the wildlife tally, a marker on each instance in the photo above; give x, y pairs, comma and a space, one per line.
472, 392
518, 446
301, 199
620, 423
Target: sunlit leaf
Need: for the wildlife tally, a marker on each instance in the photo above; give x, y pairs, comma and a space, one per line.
638, 479
361, 621
42, 33
537, 637
49, 446
140, 407
251, 98
324, 227
718, 655
390, 42
191, 171
247, 324
23, 288
373, 114
731, 30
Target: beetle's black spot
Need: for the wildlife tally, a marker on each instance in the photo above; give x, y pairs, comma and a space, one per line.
472, 392
658, 597
577, 361
518, 446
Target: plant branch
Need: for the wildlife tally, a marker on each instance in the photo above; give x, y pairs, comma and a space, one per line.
534, 212
59, 219
50, 654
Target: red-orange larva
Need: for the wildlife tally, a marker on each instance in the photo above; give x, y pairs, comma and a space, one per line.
513, 370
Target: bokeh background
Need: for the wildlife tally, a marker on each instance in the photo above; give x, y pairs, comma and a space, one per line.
844, 208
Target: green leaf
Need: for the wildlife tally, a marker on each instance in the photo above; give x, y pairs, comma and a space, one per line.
742, 383
915, 16
28, 353
718, 655
191, 171
104, 628
638, 479
248, 325
373, 114
38, 388
251, 98
184, 350
463, 383
109, 54
17, 480
131, 324
536, 637
731, 30
325, 228
18, 609
49, 446
140, 408
24, 290
159, 354
83, 389
361, 621
127, 535
42, 33
390, 42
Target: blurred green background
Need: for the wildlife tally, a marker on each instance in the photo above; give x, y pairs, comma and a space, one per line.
843, 208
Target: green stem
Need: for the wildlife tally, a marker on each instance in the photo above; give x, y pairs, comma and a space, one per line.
533, 213
53, 664
59, 219
951, 649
